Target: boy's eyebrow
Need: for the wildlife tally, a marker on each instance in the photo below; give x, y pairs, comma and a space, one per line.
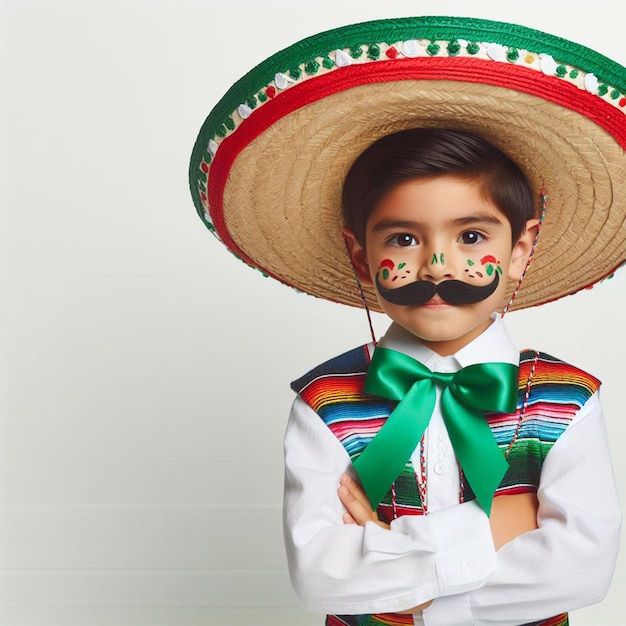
480, 218
391, 224
477, 218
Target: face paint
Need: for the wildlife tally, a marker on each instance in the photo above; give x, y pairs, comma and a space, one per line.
455, 292
491, 264
386, 270
477, 273
437, 259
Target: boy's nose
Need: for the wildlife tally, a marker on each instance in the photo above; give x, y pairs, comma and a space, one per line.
436, 266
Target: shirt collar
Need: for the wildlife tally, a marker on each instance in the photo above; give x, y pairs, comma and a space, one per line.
494, 345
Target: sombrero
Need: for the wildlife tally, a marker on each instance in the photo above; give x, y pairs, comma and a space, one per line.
269, 162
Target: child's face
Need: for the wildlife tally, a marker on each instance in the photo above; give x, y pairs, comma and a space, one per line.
435, 230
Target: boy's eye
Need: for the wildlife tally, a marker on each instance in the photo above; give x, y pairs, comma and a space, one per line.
404, 240
471, 237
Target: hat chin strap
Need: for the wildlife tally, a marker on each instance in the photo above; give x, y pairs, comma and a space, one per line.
362, 293
544, 206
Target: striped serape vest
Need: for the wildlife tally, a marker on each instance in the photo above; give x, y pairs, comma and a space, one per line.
550, 393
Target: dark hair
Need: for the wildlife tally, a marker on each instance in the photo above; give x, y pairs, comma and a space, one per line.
428, 152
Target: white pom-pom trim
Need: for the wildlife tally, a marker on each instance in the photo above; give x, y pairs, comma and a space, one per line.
282, 80
342, 59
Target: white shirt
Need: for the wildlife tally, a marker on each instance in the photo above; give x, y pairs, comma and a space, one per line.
449, 555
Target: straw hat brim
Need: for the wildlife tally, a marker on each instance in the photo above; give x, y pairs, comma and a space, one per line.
270, 188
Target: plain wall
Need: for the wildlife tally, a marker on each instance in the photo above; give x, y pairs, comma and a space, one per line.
143, 370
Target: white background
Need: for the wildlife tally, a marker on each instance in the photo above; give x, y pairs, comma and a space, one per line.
144, 371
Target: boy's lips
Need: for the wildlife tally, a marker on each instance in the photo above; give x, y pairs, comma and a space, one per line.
422, 292
435, 301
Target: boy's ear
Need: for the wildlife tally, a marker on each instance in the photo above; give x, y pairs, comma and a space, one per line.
358, 256
522, 249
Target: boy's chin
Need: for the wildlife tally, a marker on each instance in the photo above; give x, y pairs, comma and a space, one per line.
439, 327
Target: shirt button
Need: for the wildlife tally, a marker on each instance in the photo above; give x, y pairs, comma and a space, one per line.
440, 468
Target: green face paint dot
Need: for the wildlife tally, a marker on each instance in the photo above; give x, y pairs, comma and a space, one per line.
385, 273
441, 258
433, 260
489, 270
401, 265
470, 262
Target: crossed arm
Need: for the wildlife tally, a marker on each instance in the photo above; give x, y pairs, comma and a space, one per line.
511, 516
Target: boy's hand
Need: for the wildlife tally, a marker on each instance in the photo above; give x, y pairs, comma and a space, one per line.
359, 511
358, 507
512, 516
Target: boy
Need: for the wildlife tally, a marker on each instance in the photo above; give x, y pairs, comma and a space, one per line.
443, 414
451, 207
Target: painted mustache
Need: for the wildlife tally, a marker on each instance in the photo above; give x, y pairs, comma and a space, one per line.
454, 292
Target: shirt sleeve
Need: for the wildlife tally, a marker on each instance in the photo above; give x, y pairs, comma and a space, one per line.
568, 562
342, 568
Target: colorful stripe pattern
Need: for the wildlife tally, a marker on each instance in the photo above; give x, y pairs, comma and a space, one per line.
550, 394
397, 619
382, 619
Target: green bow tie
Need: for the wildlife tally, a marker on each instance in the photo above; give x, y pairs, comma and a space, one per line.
466, 396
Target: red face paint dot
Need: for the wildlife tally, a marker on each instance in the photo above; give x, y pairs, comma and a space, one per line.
622, 102
203, 196
271, 92
387, 263
204, 167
